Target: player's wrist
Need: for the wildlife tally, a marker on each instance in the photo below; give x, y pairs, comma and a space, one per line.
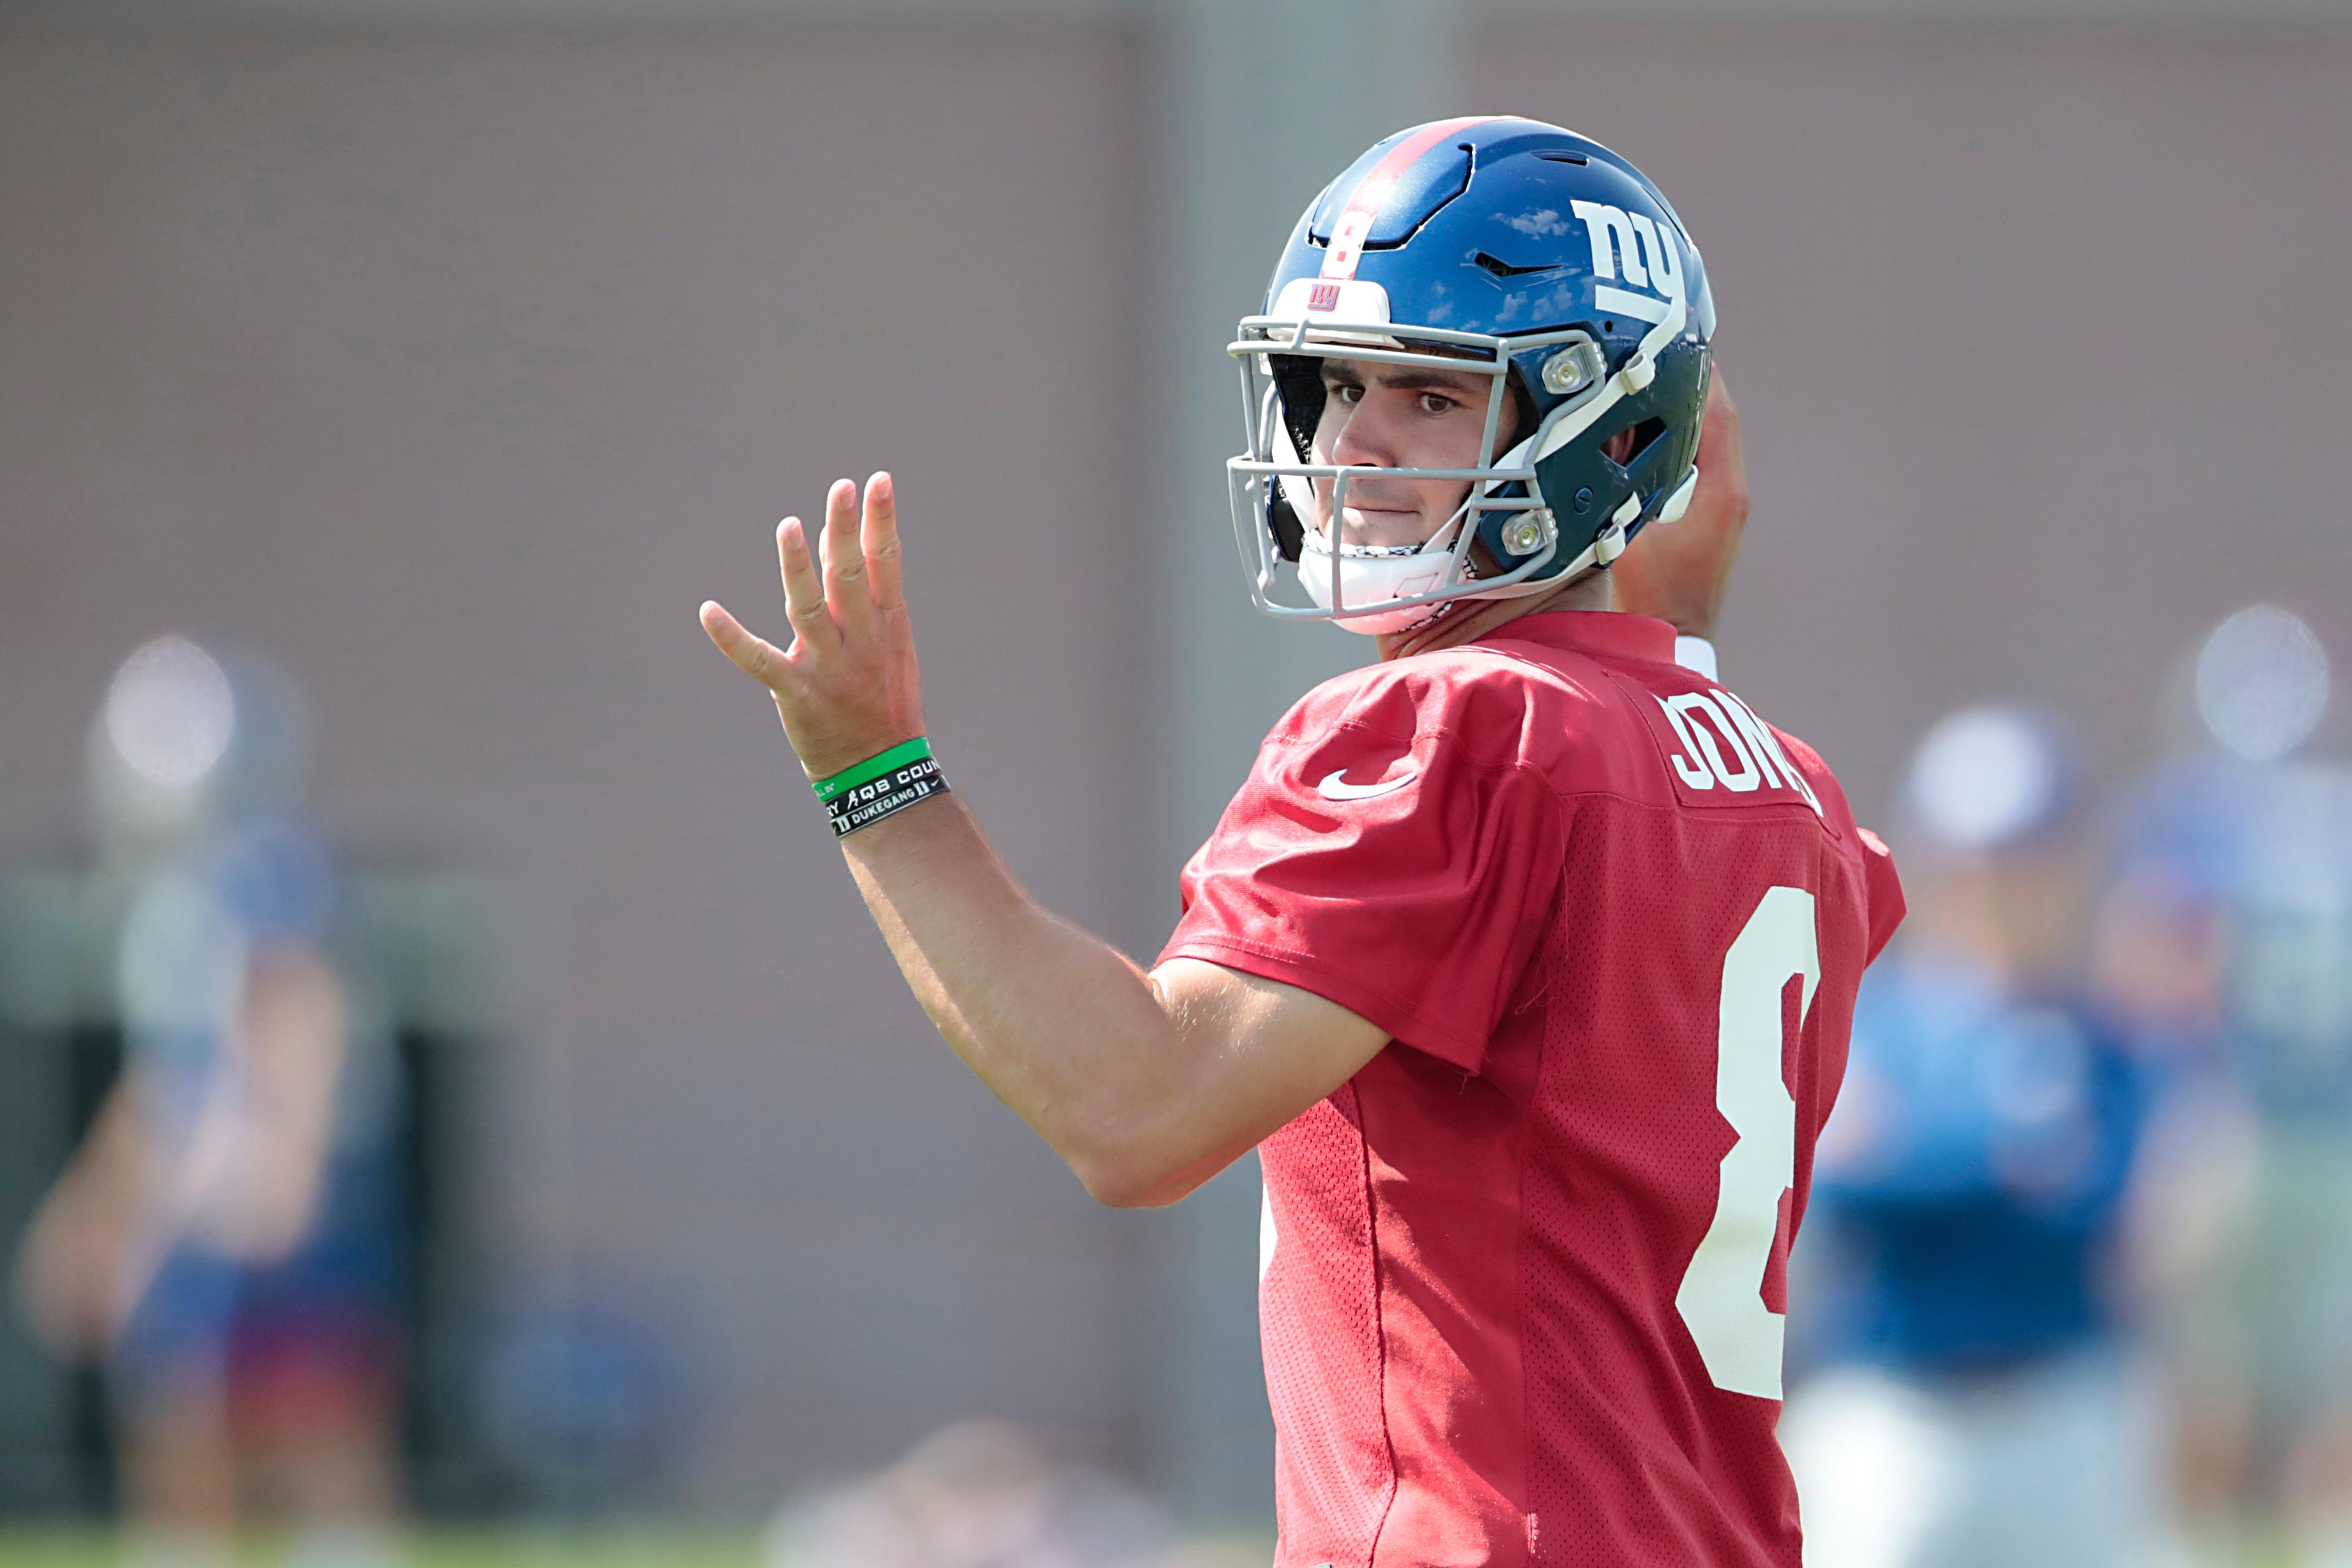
880, 786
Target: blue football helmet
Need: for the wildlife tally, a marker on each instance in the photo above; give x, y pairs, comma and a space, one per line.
1492, 245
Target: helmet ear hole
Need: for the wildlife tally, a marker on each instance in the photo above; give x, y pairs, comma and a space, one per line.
1625, 447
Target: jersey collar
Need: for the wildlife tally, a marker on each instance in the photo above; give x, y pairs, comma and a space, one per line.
1612, 634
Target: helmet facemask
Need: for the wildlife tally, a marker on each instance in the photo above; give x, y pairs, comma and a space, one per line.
1279, 522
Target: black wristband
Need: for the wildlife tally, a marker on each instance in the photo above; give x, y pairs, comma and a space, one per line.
864, 805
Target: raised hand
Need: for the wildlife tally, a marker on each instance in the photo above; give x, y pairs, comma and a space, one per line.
1678, 571
846, 688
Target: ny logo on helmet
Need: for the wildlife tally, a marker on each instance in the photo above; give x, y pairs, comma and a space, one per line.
1632, 246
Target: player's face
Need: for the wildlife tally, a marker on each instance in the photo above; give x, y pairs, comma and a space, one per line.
1400, 416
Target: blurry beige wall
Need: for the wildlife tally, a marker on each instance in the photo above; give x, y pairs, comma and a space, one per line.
454, 371
454, 368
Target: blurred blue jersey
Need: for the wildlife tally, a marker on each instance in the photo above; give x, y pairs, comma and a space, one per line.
1970, 1177
195, 926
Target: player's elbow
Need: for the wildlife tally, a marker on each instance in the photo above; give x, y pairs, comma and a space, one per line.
1137, 1178
1122, 1184
1145, 1145
1116, 1191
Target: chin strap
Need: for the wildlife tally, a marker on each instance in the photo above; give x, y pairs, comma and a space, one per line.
1610, 545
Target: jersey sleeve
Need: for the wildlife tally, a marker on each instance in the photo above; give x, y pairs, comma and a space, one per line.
1884, 890
1379, 857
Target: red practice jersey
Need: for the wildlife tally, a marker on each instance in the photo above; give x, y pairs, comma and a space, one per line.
1522, 1281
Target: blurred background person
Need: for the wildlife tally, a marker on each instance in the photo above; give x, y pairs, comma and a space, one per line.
2289, 1013
2159, 955
2226, 948
222, 1241
1974, 1400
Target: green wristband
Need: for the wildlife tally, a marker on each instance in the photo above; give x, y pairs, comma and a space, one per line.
880, 786
872, 768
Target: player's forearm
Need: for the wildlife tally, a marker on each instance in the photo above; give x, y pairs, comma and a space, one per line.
1145, 1084
1061, 1026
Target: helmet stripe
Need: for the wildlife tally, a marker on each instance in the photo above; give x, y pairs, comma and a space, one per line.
1371, 192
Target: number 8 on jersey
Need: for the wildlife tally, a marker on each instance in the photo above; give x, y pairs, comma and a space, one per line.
1722, 1294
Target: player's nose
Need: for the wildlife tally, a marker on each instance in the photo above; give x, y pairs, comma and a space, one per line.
1366, 440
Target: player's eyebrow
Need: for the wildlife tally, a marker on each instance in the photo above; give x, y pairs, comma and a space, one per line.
1403, 378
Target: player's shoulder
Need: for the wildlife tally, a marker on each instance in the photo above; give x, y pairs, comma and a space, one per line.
1714, 752
1816, 771
1484, 701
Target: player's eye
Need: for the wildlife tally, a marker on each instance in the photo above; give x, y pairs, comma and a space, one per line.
1348, 393
1437, 403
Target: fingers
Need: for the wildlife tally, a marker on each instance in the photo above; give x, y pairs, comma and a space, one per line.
845, 593
829, 594
803, 589
880, 540
754, 655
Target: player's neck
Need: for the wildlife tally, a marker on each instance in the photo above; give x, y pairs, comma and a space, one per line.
1475, 617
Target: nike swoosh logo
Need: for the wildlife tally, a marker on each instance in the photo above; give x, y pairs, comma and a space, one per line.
1337, 788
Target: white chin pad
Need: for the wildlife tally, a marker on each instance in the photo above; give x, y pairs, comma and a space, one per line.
1374, 580
1679, 502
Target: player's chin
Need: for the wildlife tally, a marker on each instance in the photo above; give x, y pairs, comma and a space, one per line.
1385, 527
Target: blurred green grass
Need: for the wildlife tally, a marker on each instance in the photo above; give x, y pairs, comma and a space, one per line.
622, 1546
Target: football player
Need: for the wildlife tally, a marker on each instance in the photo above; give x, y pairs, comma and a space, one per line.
1526, 956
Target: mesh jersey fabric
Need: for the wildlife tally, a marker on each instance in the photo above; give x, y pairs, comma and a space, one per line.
1527, 859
